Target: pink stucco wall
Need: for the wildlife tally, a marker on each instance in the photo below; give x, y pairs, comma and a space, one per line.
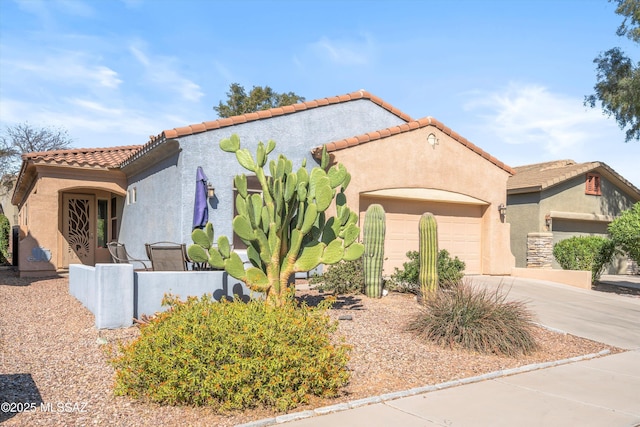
407, 160
40, 215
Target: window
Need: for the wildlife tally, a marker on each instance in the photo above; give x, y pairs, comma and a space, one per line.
253, 186
114, 219
132, 196
102, 224
593, 184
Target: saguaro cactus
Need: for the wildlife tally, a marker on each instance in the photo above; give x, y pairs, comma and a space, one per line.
428, 229
285, 228
374, 230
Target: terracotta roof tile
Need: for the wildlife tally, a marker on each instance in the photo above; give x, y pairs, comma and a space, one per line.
110, 157
273, 112
538, 176
407, 127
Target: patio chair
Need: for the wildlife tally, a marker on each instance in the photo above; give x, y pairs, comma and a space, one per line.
168, 256
119, 255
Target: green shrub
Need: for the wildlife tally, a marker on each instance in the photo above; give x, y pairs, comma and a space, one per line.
625, 232
406, 280
5, 235
345, 277
232, 355
591, 253
477, 320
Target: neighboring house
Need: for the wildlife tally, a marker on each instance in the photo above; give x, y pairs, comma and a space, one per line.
432, 168
7, 184
549, 202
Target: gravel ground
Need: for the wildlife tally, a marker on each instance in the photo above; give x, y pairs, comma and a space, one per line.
54, 370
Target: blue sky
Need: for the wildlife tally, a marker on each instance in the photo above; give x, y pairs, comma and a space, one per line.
508, 75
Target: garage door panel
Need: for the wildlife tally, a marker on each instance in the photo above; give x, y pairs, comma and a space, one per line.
459, 230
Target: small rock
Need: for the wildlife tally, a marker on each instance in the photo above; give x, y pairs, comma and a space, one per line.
345, 317
101, 341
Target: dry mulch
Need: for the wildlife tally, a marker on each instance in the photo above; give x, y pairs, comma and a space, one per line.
52, 359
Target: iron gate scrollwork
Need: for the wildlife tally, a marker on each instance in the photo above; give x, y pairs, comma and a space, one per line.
79, 227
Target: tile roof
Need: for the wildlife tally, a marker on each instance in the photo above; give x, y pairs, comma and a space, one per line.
109, 157
539, 176
263, 114
407, 127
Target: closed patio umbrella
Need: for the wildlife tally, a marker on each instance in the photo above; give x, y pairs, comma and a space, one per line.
200, 208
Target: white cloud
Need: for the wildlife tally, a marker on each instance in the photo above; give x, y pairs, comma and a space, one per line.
46, 10
75, 7
65, 68
346, 52
163, 72
532, 115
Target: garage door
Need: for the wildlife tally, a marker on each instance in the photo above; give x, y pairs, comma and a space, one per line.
459, 230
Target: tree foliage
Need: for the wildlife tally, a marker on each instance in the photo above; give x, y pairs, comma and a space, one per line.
5, 235
625, 231
591, 253
618, 79
259, 98
24, 138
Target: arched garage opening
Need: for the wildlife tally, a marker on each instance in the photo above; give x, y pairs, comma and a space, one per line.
459, 220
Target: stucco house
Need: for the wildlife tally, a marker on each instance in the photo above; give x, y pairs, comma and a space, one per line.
67, 200
552, 201
408, 166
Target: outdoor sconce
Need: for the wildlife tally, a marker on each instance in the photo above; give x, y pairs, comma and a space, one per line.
431, 139
502, 209
211, 191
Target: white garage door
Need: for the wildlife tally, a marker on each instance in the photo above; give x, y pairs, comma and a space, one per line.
459, 230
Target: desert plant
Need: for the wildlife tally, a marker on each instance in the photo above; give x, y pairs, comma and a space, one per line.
477, 320
232, 355
591, 253
285, 228
5, 233
373, 230
428, 274
345, 277
450, 271
625, 232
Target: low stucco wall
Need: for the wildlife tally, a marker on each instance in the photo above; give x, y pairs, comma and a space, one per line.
115, 294
106, 290
577, 278
151, 286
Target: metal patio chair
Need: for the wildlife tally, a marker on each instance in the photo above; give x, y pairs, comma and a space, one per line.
168, 256
119, 255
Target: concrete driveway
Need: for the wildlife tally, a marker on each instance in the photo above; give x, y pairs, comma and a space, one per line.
608, 318
604, 391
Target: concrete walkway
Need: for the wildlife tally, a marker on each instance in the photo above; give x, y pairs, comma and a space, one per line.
597, 392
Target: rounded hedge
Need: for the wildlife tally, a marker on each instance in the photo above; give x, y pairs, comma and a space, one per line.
233, 355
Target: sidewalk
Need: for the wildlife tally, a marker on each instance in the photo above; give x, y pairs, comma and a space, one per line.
602, 391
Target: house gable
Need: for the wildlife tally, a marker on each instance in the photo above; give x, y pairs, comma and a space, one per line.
194, 129
87, 159
296, 130
408, 127
541, 176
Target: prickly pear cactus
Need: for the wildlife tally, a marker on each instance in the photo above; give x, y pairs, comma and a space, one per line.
428, 276
374, 230
285, 229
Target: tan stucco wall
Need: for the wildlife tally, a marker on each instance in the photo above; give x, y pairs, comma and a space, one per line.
408, 161
527, 212
41, 212
524, 217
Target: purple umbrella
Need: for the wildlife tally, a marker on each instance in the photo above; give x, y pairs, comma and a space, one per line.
200, 209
